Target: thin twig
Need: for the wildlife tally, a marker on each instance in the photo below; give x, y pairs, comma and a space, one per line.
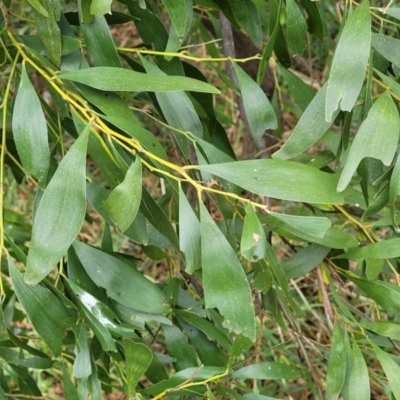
325, 299
303, 350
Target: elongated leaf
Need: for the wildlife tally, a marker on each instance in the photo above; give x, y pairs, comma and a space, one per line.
304, 260
302, 93
225, 283
315, 226
172, 105
314, 21
389, 248
123, 202
337, 364
43, 308
394, 191
382, 116
177, 11
387, 46
37, 5
311, 127
179, 348
284, 180
82, 367
386, 294
246, 14
349, 62
195, 374
358, 380
259, 112
296, 28
100, 44
207, 327
384, 328
138, 358
267, 370
61, 212
124, 80
391, 369
189, 234
123, 282
253, 245
30, 130
48, 30
100, 7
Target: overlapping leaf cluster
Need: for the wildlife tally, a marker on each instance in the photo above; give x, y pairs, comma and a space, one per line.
76, 130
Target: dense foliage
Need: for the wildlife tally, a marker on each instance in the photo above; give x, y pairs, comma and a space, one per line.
183, 219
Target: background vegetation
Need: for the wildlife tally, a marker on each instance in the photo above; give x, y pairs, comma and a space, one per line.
199, 199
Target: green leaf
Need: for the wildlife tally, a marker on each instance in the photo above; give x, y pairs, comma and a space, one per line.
284, 180
123, 282
37, 5
393, 12
357, 376
304, 260
246, 15
389, 248
212, 331
314, 226
100, 7
311, 127
189, 234
391, 369
177, 11
337, 363
30, 130
138, 358
61, 212
43, 308
89, 304
384, 328
123, 202
259, 111
383, 116
49, 31
296, 28
394, 191
179, 348
172, 104
303, 95
314, 21
194, 374
387, 46
349, 62
225, 283
253, 245
124, 80
82, 367
100, 44
267, 370
386, 294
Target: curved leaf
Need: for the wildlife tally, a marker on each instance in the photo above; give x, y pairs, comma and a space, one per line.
382, 117
259, 112
349, 62
225, 283
43, 308
123, 282
280, 179
30, 130
61, 212
123, 80
123, 202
